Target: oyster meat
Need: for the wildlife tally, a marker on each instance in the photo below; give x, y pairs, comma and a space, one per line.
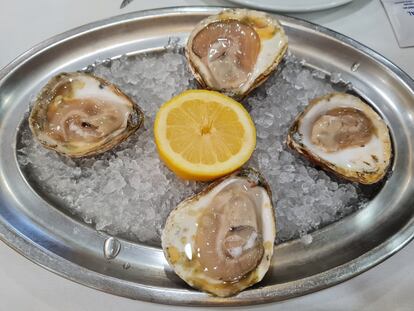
221, 240
345, 135
235, 51
78, 114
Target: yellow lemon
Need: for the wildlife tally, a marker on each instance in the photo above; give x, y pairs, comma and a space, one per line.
203, 135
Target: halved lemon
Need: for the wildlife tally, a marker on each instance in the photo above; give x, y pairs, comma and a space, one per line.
203, 135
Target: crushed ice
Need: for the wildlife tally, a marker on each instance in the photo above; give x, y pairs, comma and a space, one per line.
128, 192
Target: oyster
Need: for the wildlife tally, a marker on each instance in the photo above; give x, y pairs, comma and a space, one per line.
235, 51
78, 114
345, 135
221, 240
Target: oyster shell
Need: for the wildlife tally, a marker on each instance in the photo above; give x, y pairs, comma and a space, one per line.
236, 50
344, 135
78, 114
221, 240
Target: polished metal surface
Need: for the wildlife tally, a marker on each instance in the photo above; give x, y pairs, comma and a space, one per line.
54, 240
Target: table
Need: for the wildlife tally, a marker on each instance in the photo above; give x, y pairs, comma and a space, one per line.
26, 286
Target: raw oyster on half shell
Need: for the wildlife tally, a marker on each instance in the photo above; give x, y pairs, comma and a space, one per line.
235, 51
344, 135
221, 240
78, 114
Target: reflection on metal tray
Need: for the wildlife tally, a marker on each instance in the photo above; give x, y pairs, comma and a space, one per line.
31, 225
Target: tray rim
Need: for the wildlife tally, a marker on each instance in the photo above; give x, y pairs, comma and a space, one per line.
84, 276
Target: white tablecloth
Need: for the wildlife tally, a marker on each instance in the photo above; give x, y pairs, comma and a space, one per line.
26, 286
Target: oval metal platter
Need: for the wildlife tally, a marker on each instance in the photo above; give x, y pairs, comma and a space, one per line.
44, 234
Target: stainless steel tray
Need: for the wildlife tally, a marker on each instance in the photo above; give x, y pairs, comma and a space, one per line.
69, 248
